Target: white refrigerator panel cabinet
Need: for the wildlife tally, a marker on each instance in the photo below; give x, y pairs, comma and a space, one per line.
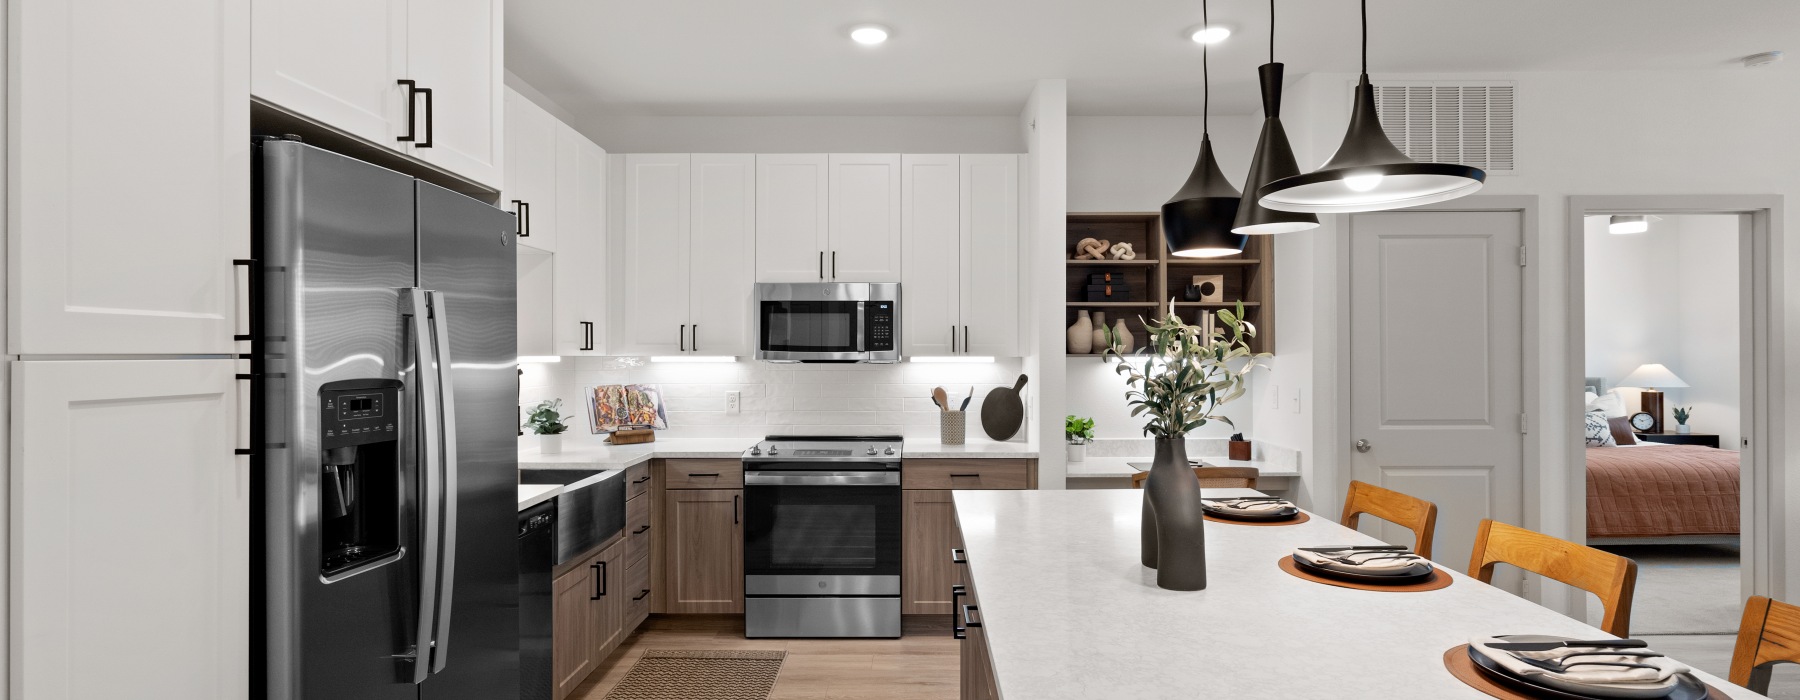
333, 61
531, 171
454, 48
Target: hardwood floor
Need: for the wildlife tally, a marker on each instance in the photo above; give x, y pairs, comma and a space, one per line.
922, 665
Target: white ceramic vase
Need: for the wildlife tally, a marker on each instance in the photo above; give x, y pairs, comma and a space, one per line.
1683, 429
1125, 343
1077, 453
1081, 334
550, 444
1099, 334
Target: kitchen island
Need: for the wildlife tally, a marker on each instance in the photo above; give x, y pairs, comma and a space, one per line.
1067, 611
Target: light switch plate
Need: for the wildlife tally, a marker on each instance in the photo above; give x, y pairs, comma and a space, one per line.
1294, 400
1275, 397
734, 402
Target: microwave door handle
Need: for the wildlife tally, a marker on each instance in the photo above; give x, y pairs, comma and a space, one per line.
431, 433
861, 342
440, 323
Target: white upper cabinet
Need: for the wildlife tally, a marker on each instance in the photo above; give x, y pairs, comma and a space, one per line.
454, 49
531, 150
931, 235
990, 255
123, 242
340, 63
536, 299
865, 218
791, 219
334, 61
722, 248
581, 244
652, 288
126, 469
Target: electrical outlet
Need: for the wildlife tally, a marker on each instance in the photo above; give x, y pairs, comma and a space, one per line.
734, 402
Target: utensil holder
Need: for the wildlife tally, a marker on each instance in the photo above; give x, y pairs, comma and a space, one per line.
950, 427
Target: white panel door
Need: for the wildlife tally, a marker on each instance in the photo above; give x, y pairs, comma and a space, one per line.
931, 252
990, 255
531, 171
454, 48
1436, 383
791, 203
130, 518
865, 218
334, 61
721, 246
581, 244
650, 315
130, 193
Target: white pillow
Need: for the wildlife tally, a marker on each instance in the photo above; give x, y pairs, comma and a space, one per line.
1597, 431
1612, 403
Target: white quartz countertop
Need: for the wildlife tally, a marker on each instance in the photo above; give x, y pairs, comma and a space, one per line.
1069, 612
533, 494
589, 455
931, 449
1126, 466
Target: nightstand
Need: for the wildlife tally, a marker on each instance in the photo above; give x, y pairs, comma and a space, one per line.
1679, 439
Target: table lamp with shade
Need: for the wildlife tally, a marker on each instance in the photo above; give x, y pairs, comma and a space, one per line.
1650, 378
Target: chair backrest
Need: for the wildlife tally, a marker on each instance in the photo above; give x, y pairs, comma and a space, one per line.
1416, 514
1213, 477
1611, 577
1769, 635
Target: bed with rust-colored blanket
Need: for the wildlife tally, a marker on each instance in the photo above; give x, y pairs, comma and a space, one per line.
1661, 491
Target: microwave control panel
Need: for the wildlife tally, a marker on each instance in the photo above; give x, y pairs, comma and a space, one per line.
878, 319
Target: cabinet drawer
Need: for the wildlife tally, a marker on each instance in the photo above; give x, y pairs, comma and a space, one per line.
637, 594
703, 474
963, 473
637, 480
637, 529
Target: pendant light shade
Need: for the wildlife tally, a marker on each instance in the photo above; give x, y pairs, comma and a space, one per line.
1197, 220
1368, 173
1274, 158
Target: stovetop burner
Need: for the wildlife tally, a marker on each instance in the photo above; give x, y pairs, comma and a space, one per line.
826, 448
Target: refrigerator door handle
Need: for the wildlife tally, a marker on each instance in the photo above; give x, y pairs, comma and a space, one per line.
440, 322
431, 432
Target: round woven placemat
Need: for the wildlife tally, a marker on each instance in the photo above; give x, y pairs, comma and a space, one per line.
1439, 579
1296, 520
1457, 661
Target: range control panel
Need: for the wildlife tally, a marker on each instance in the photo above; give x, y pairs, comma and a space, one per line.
878, 319
359, 412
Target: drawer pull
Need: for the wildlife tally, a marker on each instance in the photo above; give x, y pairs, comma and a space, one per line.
639, 481
641, 530
704, 474
641, 596
957, 631
966, 609
958, 556
965, 476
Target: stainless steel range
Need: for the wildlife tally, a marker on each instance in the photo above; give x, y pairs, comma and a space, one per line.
822, 537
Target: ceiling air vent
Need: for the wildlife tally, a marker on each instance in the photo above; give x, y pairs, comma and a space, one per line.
1467, 124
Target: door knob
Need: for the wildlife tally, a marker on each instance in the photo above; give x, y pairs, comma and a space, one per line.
1363, 446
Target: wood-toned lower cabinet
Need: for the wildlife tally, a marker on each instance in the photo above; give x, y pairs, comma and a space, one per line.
928, 533
978, 682
703, 557
607, 611
572, 638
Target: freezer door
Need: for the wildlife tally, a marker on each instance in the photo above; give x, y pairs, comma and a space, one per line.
335, 246
466, 258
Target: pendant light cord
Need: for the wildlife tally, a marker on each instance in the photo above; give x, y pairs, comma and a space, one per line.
1271, 31
1205, 79
1365, 37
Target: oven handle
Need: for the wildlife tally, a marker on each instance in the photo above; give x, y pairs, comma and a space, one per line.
813, 478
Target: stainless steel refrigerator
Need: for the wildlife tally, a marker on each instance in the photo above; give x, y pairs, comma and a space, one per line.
384, 424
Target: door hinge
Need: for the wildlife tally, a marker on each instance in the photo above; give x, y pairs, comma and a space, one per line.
1524, 419
1522, 256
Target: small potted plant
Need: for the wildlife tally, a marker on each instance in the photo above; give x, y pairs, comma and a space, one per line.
1681, 418
1080, 432
548, 422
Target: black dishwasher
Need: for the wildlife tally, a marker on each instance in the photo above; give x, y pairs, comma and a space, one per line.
537, 558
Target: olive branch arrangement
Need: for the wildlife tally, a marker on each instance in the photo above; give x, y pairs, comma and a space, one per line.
1187, 372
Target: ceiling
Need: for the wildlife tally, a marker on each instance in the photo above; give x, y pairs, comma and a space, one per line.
980, 57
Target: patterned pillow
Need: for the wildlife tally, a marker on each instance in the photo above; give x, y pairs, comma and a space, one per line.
1599, 432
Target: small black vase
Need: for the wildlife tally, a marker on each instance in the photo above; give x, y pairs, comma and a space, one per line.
1174, 525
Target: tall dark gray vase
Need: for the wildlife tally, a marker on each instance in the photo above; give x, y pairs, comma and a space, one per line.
1174, 527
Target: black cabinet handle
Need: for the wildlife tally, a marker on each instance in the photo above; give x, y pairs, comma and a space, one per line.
587, 331
734, 509
681, 335
821, 264
639, 481
696, 337
412, 89
957, 631
965, 476
834, 264
958, 556
522, 218
966, 609
429, 119
642, 595
641, 530
704, 474
599, 580
965, 338
953, 339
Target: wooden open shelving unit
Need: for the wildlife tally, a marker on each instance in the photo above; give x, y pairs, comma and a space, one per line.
1155, 276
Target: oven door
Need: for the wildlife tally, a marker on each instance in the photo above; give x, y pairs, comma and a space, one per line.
809, 330
812, 532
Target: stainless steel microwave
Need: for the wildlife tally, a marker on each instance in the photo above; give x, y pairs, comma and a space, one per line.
828, 322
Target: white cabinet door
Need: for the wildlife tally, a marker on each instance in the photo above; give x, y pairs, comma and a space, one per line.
721, 248
130, 513
651, 314
791, 219
333, 61
990, 255
865, 218
931, 231
453, 47
536, 302
581, 244
122, 242
531, 171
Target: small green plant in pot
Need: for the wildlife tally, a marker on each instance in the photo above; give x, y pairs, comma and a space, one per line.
547, 421
1079, 432
1681, 418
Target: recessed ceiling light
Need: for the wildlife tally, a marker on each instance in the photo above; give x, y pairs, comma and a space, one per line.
869, 34
1209, 35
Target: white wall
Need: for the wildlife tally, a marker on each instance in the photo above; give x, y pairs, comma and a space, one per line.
802, 134
1670, 296
1045, 123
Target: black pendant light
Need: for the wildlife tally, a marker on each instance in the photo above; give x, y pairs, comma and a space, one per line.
1368, 173
1197, 220
1274, 158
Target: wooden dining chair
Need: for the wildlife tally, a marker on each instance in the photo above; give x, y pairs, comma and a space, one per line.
1611, 577
1416, 514
1213, 477
1770, 634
